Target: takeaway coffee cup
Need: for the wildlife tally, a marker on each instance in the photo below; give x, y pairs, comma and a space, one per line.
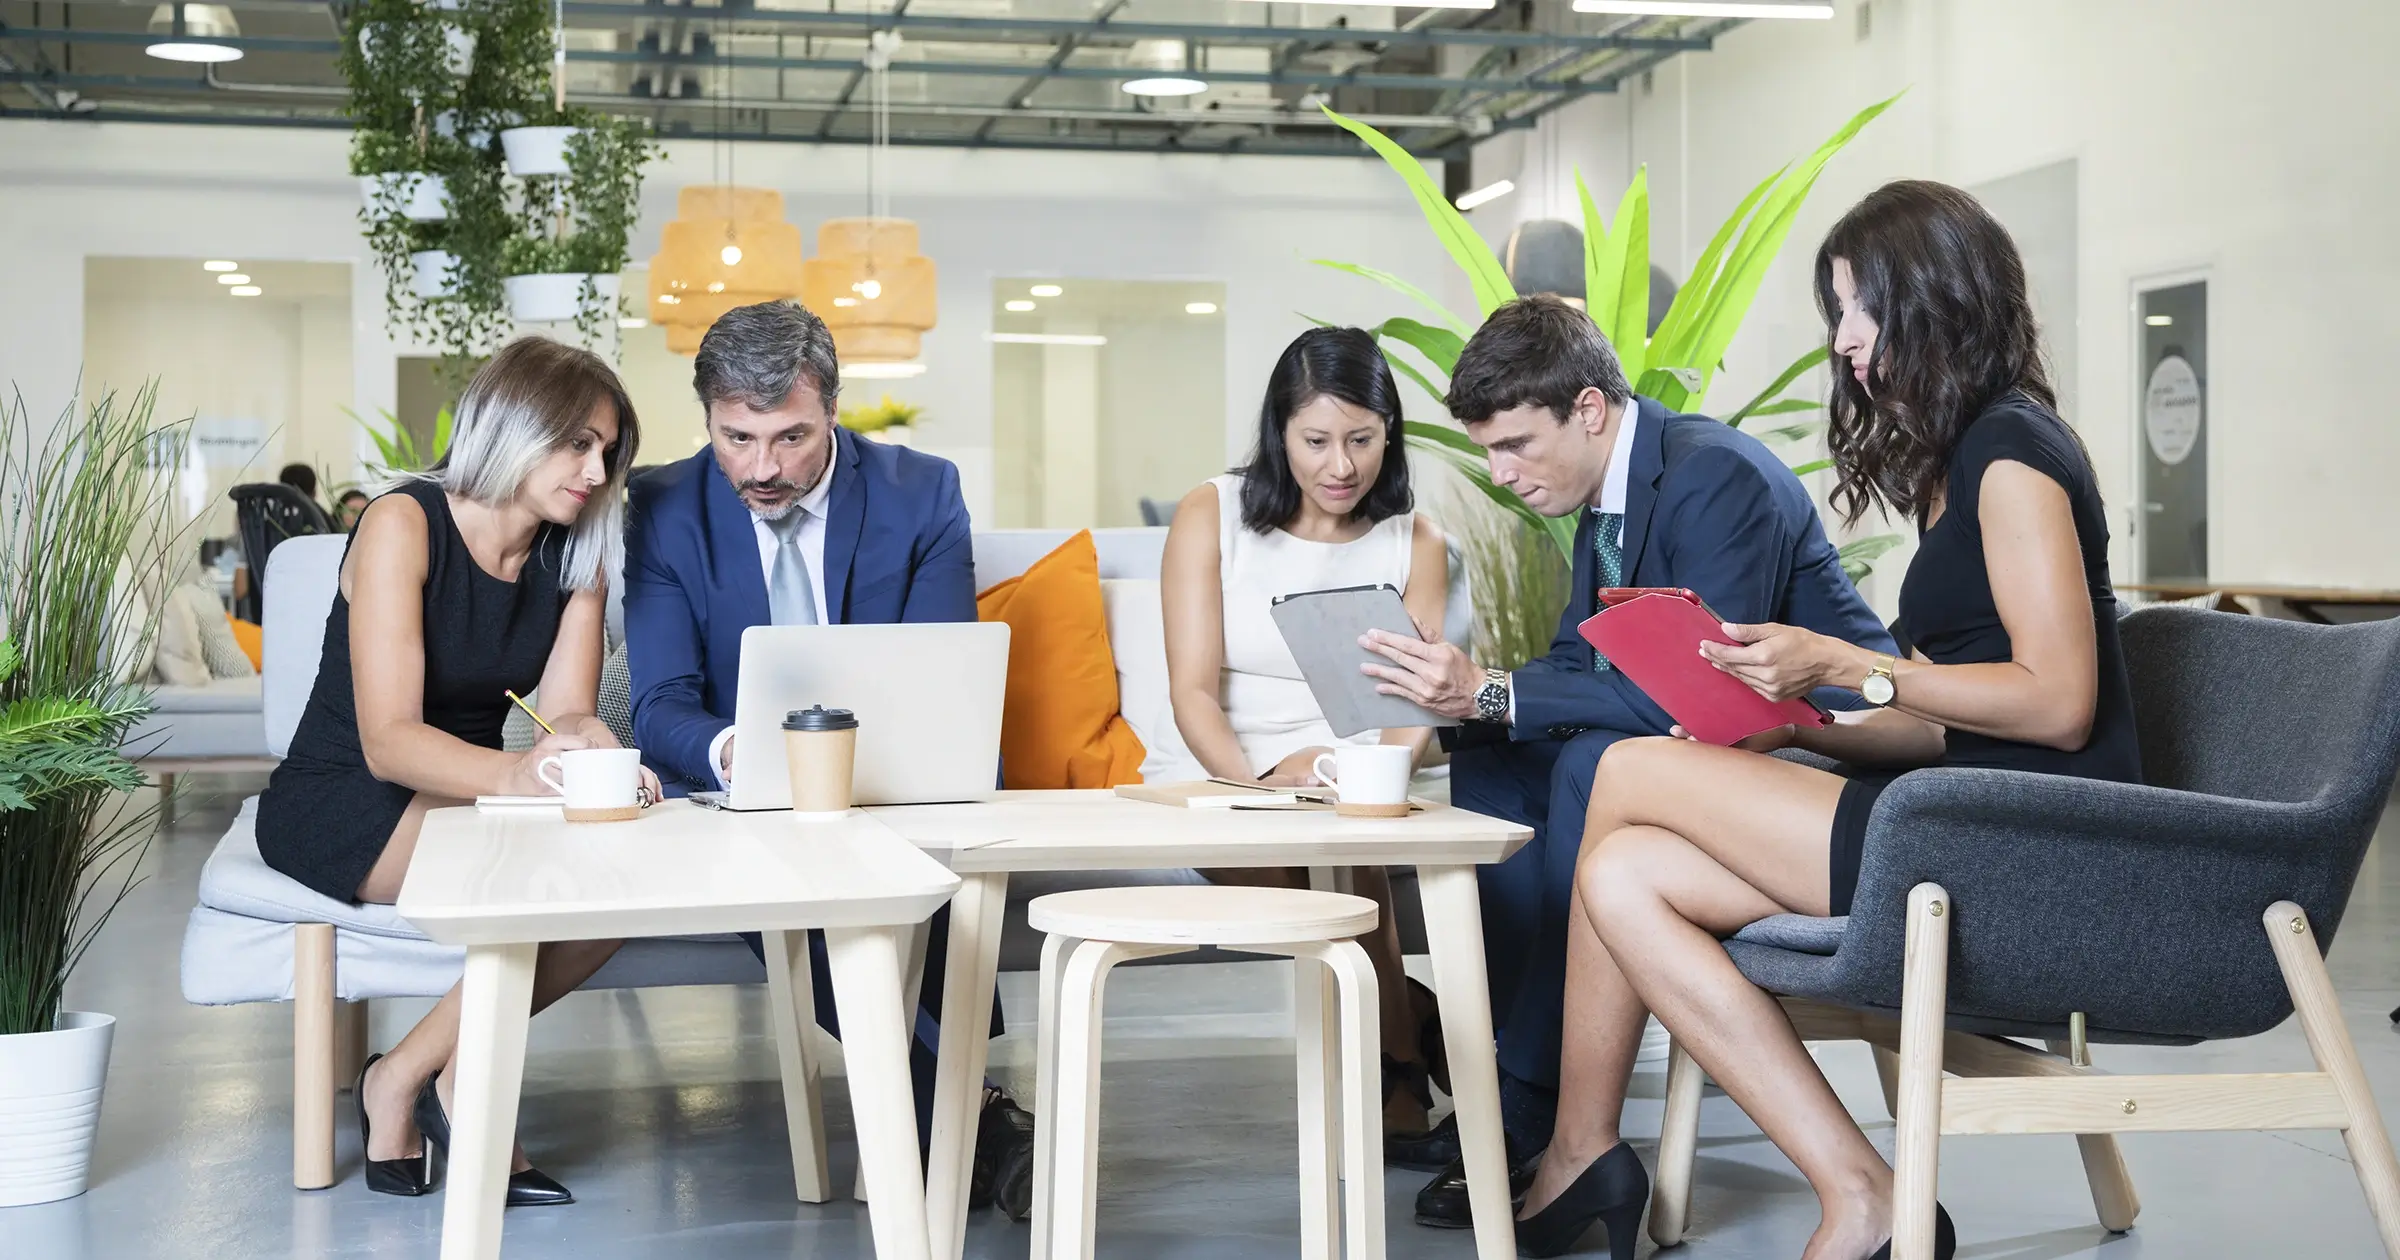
1368, 780
820, 745
598, 784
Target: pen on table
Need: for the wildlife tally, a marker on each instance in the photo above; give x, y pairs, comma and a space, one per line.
537, 718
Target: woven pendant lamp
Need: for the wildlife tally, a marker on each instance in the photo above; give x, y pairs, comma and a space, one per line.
872, 287
727, 247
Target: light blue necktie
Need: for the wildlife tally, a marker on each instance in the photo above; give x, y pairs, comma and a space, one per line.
1608, 562
791, 597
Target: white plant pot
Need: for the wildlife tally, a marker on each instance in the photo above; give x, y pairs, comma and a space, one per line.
551, 297
459, 46
422, 198
50, 1107
436, 273
537, 150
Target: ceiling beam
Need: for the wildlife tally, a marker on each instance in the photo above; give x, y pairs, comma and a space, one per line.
1067, 45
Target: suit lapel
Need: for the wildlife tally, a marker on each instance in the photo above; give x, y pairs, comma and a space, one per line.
733, 547
1641, 485
845, 517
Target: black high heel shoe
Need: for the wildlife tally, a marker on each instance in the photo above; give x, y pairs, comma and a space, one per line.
530, 1188
1612, 1192
1945, 1238
405, 1176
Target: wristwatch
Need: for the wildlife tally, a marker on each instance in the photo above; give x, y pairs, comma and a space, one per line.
1878, 688
1491, 699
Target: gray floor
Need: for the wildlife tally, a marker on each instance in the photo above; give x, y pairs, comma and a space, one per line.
661, 1110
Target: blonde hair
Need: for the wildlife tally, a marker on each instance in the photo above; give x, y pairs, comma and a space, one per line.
531, 399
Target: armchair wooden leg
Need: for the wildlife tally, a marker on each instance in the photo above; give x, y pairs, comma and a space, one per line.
312, 1055
1924, 997
2329, 1040
1678, 1146
2104, 1166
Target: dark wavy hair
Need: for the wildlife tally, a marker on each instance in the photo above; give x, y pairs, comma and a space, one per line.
1944, 284
1342, 363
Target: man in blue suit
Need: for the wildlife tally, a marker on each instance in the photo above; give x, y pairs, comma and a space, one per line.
1665, 500
787, 518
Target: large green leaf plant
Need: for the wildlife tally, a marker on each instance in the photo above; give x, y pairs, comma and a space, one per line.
1675, 365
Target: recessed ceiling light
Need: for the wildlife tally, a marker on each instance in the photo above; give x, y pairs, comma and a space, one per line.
882, 371
244, 290
220, 264
1045, 290
1199, 308
1019, 304
1165, 85
1047, 339
2159, 321
1486, 194
233, 277
1709, 8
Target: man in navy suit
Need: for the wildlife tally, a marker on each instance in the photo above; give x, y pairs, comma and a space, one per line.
1665, 500
787, 518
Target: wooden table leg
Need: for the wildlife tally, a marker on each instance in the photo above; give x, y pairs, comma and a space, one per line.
1454, 937
496, 1000
970, 974
866, 991
791, 1003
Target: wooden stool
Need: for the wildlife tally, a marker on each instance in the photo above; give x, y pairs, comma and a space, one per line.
1092, 931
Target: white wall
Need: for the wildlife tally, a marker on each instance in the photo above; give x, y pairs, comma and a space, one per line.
2210, 134
72, 189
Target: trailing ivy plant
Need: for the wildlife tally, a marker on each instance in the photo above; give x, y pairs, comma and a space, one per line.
579, 223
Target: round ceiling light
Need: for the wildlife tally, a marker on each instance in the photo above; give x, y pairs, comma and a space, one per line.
1199, 308
192, 33
1165, 85
220, 264
233, 277
244, 290
1046, 290
1019, 305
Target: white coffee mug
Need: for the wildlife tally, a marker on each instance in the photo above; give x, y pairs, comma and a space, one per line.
599, 784
1367, 778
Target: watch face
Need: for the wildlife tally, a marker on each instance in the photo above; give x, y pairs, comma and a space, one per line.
1877, 689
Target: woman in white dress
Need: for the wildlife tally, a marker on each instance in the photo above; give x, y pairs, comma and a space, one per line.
1324, 502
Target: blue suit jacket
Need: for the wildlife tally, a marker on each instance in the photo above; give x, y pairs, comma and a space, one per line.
1709, 508
897, 548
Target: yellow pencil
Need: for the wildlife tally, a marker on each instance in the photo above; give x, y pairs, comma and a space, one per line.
537, 718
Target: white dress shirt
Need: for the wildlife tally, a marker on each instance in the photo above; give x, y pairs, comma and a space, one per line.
1612, 499
812, 555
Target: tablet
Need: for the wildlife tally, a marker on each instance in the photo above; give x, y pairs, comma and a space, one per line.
1654, 637
1322, 630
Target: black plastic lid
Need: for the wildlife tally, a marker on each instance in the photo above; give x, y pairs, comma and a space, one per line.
820, 718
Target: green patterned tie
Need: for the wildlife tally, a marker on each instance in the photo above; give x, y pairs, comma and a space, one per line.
1608, 562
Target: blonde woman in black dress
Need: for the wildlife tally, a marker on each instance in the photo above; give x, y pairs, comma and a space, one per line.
481, 575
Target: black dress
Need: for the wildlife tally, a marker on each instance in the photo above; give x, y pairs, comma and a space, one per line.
325, 818
1946, 612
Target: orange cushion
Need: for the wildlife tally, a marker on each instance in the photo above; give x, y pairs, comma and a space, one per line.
1060, 727
251, 639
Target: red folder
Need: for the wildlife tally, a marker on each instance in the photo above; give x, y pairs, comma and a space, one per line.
1655, 639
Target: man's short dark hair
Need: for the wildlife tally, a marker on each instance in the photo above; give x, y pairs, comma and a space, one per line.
1535, 351
755, 355
299, 477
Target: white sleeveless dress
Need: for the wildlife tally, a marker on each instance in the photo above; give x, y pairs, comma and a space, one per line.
1260, 687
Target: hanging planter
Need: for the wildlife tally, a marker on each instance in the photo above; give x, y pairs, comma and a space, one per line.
534, 151
435, 273
413, 195
50, 1107
458, 47
552, 297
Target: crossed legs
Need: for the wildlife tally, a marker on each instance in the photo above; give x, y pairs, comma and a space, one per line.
1684, 844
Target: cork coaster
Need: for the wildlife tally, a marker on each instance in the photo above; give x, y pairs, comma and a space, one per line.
1398, 809
613, 813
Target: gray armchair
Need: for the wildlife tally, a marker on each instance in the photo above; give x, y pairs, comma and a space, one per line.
1994, 905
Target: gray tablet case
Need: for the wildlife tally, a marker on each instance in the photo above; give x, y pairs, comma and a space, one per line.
1322, 629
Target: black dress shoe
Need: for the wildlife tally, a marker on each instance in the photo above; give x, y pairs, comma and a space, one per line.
1003, 1175
530, 1188
406, 1176
1612, 1191
1430, 1151
1945, 1238
1443, 1204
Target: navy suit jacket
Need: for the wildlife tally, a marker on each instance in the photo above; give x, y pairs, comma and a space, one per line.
1709, 508
897, 548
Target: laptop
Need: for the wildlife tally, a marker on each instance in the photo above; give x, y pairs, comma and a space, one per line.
927, 696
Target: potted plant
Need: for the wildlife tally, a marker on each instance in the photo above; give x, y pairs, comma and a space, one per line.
560, 280
885, 421
565, 264
85, 503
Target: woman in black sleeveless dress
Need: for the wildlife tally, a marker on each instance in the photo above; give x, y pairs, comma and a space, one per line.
1942, 413
482, 575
